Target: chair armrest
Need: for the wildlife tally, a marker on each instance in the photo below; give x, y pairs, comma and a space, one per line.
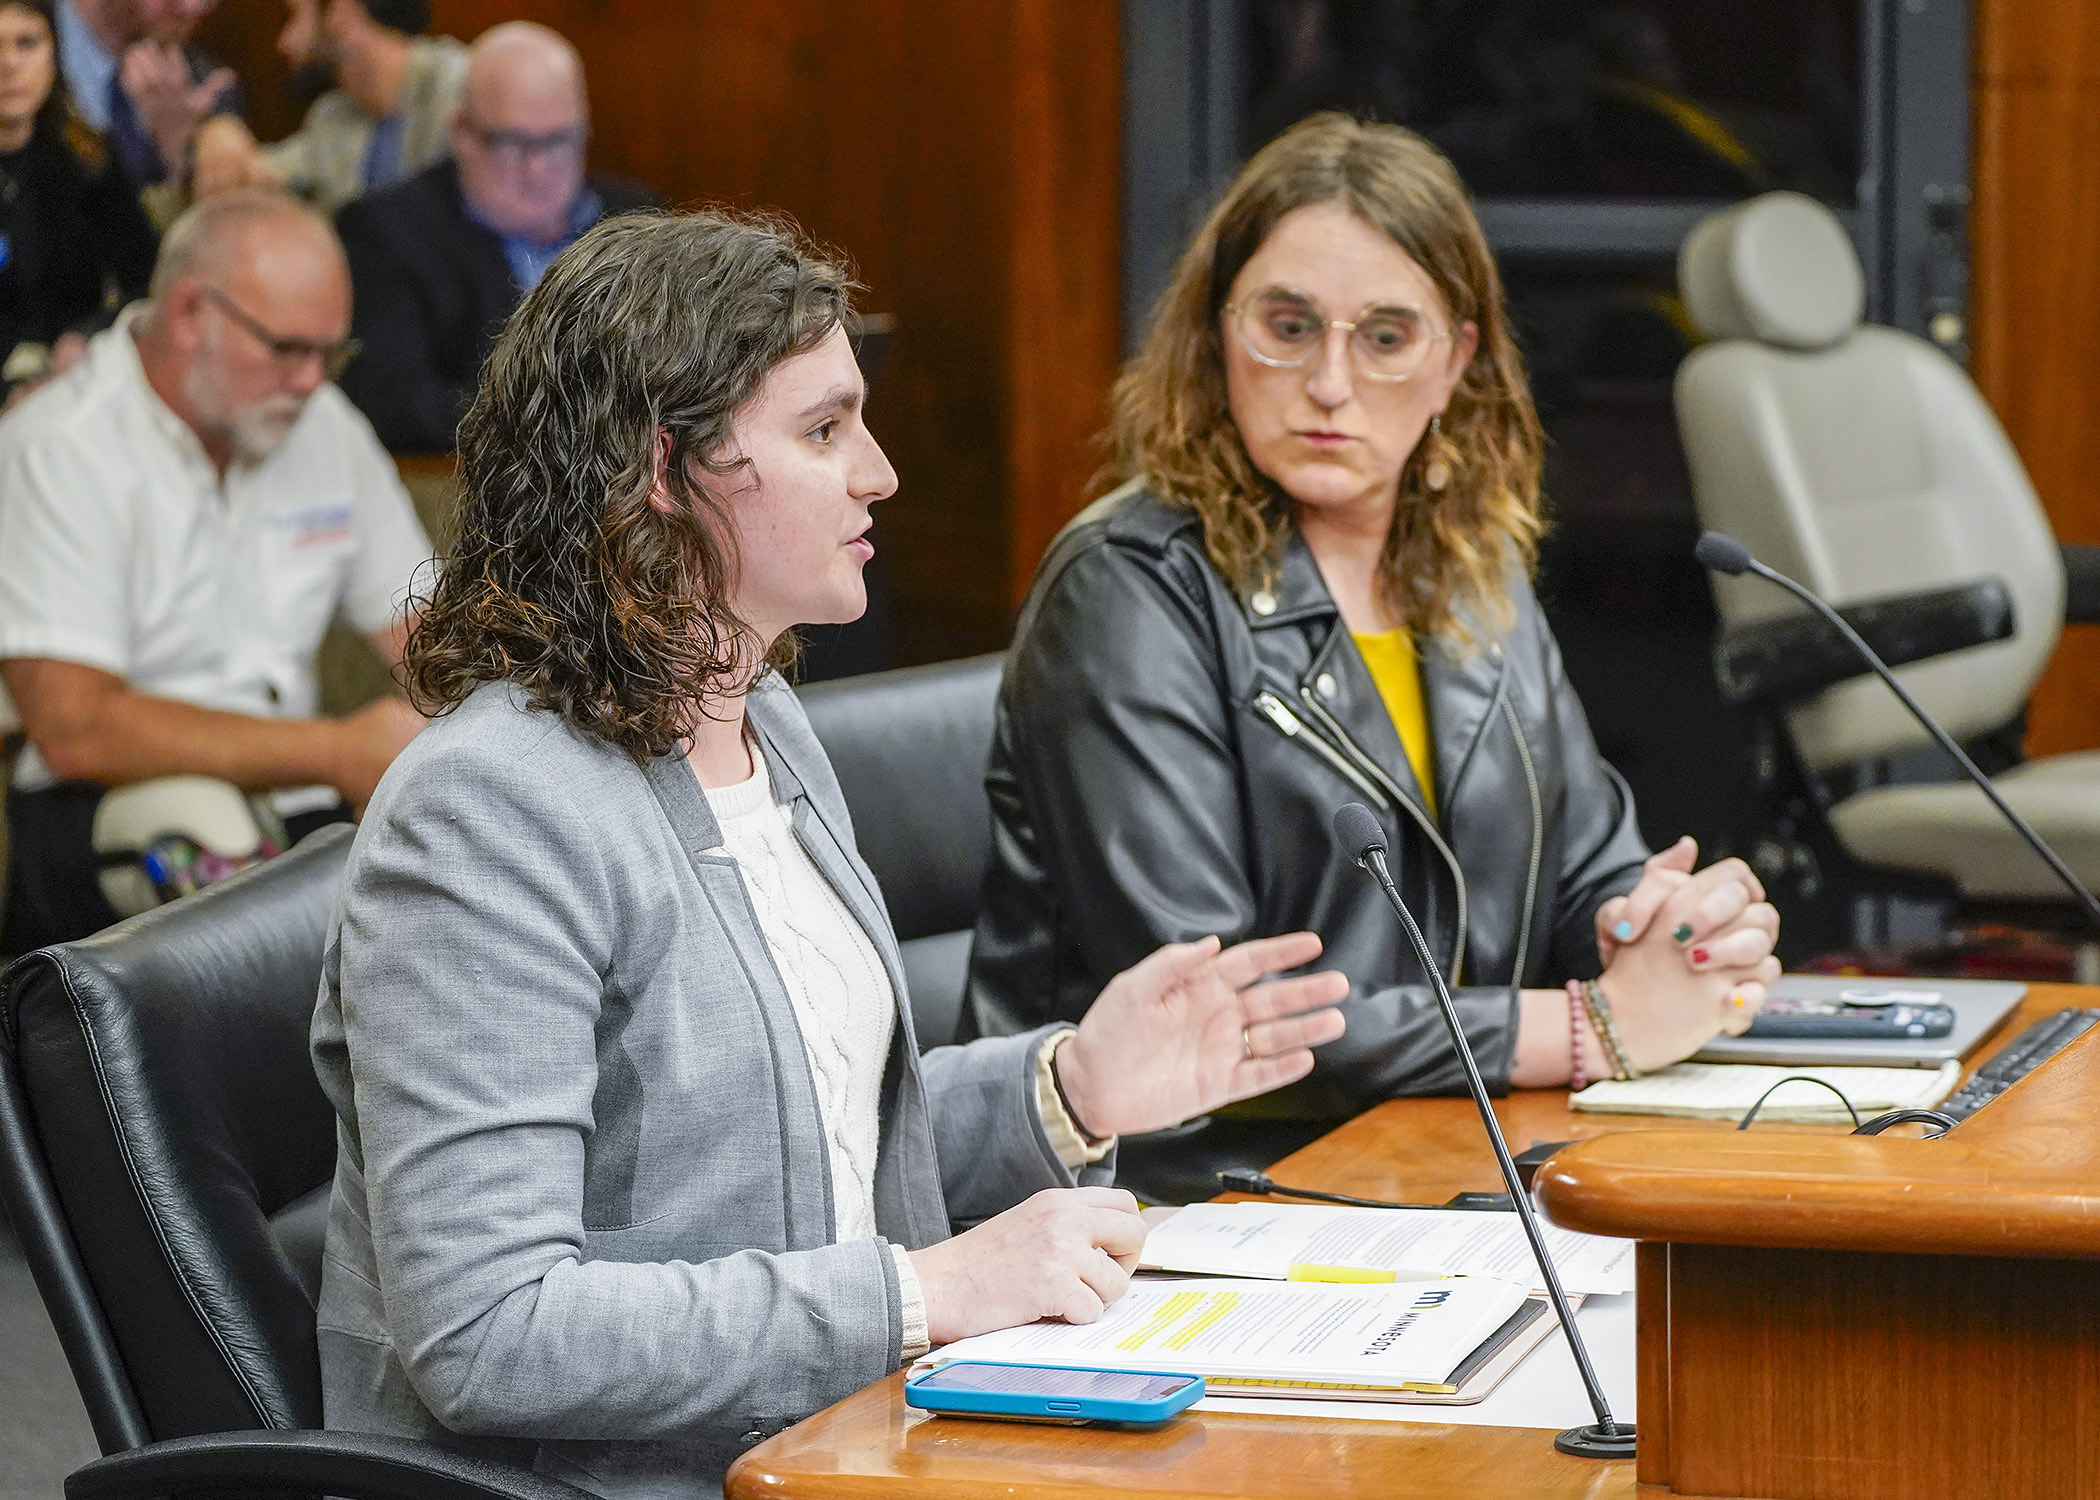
1787, 657
352, 1465
2081, 584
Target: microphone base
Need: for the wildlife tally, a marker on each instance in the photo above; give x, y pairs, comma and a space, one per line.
1594, 1442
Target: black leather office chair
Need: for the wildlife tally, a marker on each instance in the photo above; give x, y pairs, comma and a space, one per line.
910, 748
165, 1155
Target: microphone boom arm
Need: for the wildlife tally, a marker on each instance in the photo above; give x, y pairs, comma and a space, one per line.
1946, 741
1608, 1438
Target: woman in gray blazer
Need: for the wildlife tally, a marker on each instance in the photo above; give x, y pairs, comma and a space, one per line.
639, 1162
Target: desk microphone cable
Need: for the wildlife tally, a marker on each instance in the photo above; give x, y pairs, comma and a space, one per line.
1251, 1180
1871, 1127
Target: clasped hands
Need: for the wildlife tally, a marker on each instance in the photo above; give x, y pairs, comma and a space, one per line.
1191, 1027
1686, 954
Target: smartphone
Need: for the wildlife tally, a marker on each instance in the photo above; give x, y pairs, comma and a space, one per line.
1865, 1017
1046, 1393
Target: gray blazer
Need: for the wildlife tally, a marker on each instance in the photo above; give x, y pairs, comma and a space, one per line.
582, 1215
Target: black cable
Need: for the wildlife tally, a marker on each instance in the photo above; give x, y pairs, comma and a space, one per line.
1249, 1180
1909, 1117
1820, 1083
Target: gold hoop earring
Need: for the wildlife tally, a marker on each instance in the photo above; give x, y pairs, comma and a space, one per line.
1436, 474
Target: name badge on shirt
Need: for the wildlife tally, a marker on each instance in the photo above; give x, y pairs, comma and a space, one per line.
320, 526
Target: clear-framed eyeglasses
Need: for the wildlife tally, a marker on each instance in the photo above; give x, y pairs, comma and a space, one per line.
1286, 329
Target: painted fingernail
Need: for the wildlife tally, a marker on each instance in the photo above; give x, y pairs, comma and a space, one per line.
1682, 932
1698, 955
1737, 1000
1623, 931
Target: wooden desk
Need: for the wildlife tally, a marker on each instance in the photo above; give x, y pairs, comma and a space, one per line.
1409, 1150
1871, 1317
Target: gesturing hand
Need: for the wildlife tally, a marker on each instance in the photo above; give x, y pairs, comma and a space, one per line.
157, 77
1188, 1029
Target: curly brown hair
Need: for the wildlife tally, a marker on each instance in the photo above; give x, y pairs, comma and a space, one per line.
1445, 566
651, 331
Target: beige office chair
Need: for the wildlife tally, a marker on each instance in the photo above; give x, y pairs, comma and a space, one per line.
1863, 462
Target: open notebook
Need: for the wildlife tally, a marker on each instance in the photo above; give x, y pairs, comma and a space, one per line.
1724, 1091
1282, 1337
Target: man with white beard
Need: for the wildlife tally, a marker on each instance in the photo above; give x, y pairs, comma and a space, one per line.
181, 517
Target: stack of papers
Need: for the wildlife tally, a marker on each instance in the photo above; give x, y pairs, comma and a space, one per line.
1372, 1338
1725, 1091
1304, 1242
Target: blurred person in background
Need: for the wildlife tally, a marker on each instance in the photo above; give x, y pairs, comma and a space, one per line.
440, 260
185, 513
388, 116
139, 85
74, 242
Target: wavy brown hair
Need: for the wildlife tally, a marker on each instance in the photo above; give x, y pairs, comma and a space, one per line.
1445, 568
651, 329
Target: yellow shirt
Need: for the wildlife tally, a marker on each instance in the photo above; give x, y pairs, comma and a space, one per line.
1394, 666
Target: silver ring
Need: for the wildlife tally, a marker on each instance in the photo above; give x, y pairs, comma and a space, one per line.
1247, 1042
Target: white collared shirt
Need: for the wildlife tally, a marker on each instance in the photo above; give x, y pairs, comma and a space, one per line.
121, 548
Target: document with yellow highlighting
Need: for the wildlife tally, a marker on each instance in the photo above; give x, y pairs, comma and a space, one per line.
1390, 1336
1308, 1242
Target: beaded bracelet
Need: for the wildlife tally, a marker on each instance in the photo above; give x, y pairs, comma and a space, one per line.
1578, 1064
1607, 1031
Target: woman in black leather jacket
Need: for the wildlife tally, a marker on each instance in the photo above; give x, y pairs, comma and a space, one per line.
1321, 555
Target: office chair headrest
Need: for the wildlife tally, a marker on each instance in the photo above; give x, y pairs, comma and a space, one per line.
1778, 269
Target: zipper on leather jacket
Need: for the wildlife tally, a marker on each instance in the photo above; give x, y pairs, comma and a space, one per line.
1538, 841
1399, 794
1279, 714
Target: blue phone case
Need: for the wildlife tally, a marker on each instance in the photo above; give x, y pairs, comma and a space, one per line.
1043, 1406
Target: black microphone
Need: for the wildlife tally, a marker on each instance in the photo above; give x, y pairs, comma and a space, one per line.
1724, 554
1359, 831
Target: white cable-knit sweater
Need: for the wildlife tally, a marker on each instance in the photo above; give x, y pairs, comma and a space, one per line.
841, 993
847, 1012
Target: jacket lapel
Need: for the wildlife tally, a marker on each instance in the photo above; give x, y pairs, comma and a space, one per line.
1461, 689
833, 856
811, 1214
1464, 693
1336, 682
908, 1202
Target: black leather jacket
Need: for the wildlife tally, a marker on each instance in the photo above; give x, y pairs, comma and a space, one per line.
1167, 760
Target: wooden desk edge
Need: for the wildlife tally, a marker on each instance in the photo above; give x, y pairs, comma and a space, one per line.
2020, 1179
1598, 1191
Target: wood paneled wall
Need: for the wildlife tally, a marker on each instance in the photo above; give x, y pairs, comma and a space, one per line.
2035, 242
965, 155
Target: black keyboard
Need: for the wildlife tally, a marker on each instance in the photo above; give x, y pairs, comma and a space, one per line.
2016, 1059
